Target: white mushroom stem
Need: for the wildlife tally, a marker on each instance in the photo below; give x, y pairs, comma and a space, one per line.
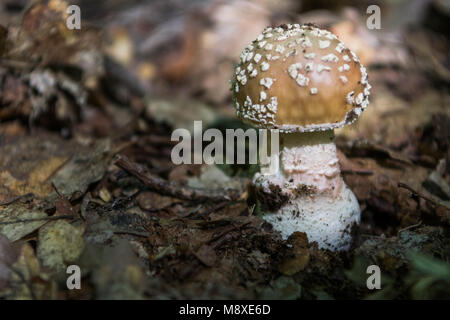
310, 158
328, 209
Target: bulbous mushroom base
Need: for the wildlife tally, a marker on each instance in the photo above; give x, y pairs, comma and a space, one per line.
325, 220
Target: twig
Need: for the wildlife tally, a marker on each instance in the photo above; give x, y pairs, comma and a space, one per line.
421, 195
409, 227
216, 208
59, 194
171, 189
221, 234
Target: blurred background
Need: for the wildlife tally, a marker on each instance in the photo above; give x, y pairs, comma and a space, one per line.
174, 49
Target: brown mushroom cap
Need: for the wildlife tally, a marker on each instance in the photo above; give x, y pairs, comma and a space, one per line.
299, 78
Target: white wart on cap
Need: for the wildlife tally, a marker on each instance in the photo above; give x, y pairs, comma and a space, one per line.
299, 78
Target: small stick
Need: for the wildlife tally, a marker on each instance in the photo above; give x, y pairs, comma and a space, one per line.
216, 208
221, 234
416, 193
171, 189
409, 227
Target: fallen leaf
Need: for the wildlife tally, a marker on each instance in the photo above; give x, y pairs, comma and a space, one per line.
12, 214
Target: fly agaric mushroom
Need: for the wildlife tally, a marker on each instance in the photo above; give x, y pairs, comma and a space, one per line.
303, 81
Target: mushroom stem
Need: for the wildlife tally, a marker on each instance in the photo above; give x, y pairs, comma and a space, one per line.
310, 158
314, 198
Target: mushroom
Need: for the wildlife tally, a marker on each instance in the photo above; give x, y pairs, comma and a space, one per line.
304, 82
